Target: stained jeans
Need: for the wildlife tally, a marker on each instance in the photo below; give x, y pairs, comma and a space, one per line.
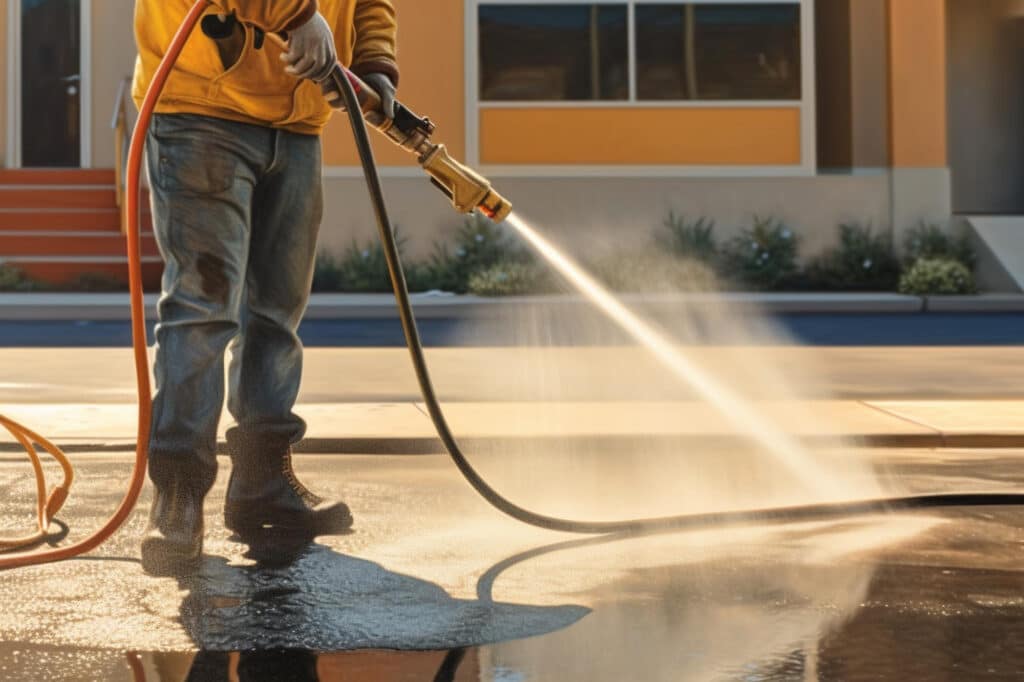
236, 212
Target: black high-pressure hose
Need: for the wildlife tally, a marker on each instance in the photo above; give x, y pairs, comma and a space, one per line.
481, 486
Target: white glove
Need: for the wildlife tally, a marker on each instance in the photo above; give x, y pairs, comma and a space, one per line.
382, 85
311, 53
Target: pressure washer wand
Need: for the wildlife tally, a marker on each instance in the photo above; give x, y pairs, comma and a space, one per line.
468, 190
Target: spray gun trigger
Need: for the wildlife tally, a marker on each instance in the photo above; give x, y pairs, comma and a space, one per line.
444, 190
408, 122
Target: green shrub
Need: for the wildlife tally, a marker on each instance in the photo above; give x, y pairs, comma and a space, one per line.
12, 279
763, 256
510, 278
96, 282
862, 261
931, 241
693, 239
937, 276
361, 268
479, 244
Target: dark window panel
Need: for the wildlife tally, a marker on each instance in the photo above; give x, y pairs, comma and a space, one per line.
698, 51
553, 52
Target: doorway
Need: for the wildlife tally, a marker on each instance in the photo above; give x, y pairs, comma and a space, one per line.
986, 105
50, 99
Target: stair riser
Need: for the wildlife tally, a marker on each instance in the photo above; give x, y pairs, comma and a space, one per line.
101, 220
61, 176
112, 245
57, 198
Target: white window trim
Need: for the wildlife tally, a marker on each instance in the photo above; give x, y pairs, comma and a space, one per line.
806, 105
13, 153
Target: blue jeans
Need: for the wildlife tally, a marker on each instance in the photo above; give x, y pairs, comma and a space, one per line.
236, 212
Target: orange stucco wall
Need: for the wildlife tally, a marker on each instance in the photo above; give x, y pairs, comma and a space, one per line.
917, 54
641, 136
430, 55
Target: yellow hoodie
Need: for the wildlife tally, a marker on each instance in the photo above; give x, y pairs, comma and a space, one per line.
250, 84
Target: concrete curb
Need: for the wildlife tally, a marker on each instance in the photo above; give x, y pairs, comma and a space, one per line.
114, 307
984, 303
434, 305
596, 445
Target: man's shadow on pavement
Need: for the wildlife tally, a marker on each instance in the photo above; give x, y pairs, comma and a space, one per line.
313, 598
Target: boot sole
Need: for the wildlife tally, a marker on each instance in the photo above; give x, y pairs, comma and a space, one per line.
246, 525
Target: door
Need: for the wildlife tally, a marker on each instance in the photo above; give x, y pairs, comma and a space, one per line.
51, 83
986, 105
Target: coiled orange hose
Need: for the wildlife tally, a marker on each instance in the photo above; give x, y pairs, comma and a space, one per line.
25, 437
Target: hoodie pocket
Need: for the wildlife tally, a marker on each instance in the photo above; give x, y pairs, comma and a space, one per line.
256, 83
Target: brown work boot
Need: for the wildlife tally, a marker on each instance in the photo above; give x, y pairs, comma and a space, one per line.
264, 494
173, 543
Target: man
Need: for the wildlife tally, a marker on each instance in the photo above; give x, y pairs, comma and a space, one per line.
234, 163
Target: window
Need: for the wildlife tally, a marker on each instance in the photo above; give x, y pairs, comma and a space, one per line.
718, 52
553, 52
580, 51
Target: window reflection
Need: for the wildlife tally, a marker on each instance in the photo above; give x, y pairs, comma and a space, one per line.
553, 52
718, 52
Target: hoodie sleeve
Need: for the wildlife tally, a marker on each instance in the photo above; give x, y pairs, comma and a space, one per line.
376, 30
273, 16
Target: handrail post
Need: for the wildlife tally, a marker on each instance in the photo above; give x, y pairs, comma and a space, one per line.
119, 124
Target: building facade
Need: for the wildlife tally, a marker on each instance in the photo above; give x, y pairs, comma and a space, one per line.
598, 117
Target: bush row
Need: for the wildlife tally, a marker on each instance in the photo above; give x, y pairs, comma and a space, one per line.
684, 254
765, 257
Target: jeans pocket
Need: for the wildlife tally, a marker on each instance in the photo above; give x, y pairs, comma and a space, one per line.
191, 157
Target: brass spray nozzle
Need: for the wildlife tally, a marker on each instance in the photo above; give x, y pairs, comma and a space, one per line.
467, 189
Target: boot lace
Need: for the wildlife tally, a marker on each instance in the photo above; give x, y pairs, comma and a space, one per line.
305, 493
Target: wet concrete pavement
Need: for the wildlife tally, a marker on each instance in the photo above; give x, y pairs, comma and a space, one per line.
433, 584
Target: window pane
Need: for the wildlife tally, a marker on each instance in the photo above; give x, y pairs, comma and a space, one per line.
705, 51
553, 52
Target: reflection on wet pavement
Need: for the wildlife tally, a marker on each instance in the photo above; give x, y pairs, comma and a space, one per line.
332, 602
457, 665
454, 592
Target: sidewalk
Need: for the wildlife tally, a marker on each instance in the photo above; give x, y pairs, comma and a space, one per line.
404, 428
435, 305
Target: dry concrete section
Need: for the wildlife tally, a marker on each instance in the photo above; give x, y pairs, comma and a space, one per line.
603, 426
431, 568
382, 375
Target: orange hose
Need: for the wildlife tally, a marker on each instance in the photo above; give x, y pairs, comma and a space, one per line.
46, 506
138, 477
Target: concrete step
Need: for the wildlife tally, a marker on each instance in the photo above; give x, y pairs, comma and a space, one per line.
999, 242
46, 198
67, 220
65, 270
57, 176
14, 244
